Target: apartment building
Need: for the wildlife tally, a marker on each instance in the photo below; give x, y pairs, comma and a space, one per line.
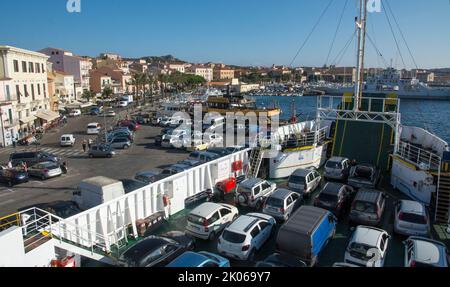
202, 71
179, 67
67, 62
223, 73
7, 118
64, 87
26, 88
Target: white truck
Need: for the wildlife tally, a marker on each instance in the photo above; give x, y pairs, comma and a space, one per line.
96, 191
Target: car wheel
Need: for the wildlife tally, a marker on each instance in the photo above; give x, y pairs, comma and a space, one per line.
109, 156
91, 156
43, 177
126, 147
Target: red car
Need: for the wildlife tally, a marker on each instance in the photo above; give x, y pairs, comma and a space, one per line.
132, 125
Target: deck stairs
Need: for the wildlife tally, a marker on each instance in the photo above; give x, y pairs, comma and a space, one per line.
39, 227
443, 199
255, 161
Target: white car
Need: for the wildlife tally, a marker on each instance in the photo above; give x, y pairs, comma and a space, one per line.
367, 247
67, 140
123, 104
110, 113
93, 129
424, 252
411, 219
246, 235
75, 113
209, 219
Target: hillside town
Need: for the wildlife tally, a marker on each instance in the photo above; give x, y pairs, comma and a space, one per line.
37, 87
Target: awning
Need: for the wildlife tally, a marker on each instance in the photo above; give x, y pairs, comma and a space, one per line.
47, 115
27, 119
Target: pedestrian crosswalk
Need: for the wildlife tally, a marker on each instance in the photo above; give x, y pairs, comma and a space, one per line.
61, 152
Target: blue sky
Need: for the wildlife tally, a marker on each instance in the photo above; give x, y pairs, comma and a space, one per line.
242, 32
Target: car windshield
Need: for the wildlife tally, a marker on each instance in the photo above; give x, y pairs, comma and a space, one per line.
196, 219
365, 207
275, 202
413, 218
233, 237
363, 172
334, 165
297, 179
327, 197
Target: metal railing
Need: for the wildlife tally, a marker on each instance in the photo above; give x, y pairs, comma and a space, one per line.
305, 139
9, 221
371, 105
423, 159
39, 225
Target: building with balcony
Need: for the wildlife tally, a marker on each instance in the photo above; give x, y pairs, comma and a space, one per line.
223, 73
202, 71
26, 88
71, 64
64, 88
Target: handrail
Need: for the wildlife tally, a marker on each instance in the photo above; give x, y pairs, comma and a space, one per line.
419, 156
335, 101
9, 223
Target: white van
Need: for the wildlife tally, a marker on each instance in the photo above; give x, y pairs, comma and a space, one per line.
67, 140
93, 128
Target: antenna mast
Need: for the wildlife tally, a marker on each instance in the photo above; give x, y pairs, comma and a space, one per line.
361, 27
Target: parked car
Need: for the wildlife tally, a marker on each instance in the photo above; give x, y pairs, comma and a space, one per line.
306, 234
131, 126
120, 134
175, 169
201, 259
337, 168
219, 151
31, 158
157, 251
253, 192
67, 140
95, 111
235, 149
368, 207
278, 260
336, 198
45, 170
209, 219
149, 176
411, 219
368, 247
130, 185
203, 156
93, 129
424, 252
101, 151
120, 143
282, 204
304, 181
13, 176
246, 235
110, 113
364, 176
122, 104
75, 113
191, 163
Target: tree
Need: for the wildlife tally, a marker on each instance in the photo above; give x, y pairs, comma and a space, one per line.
107, 93
88, 95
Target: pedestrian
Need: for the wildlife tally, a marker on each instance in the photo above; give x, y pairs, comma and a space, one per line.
14, 143
90, 142
10, 166
64, 167
84, 145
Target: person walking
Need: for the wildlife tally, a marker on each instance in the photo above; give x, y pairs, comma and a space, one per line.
64, 167
84, 145
90, 142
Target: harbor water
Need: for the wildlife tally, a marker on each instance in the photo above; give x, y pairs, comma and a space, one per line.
433, 116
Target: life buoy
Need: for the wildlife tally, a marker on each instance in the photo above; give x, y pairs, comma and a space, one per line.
166, 200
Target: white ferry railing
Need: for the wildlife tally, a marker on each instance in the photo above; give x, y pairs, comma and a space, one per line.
371, 105
423, 159
305, 139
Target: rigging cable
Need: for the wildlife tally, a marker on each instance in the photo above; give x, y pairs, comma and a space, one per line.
395, 39
336, 32
312, 31
401, 33
341, 54
377, 50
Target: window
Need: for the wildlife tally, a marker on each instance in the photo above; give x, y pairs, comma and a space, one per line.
255, 232
39, 89
38, 68
45, 91
25, 90
20, 115
32, 92
224, 212
10, 116
263, 225
295, 196
16, 66
42, 66
289, 201
18, 93
30, 67
214, 218
257, 190
24, 66
8, 93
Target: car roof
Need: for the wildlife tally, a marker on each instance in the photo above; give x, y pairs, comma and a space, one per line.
179, 167
332, 188
281, 193
243, 223
249, 183
189, 259
206, 209
368, 195
428, 251
302, 172
140, 249
67, 135
412, 207
93, 124
338, 159
367, 235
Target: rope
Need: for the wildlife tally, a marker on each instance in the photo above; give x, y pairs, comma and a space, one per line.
336, 32
377, 50
310, 33
341, 54
395, 39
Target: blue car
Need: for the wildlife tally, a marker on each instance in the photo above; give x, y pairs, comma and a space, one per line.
95, 111
201, 259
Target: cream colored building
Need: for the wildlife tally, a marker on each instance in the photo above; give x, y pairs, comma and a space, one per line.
202, 71
223, 73
64, 88
181, 68
27, 71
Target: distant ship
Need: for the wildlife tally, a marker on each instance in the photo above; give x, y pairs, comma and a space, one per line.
389, 82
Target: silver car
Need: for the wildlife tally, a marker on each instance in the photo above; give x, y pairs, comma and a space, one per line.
120, 143
282, 203
424, 252
45, 170
304, 181
368, 207
411, 219
337, 168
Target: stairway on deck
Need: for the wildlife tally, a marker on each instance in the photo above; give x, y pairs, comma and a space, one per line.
443, 200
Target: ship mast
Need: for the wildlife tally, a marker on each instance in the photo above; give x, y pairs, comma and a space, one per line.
361, 29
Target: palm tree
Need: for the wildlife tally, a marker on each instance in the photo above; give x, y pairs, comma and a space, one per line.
136, 82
